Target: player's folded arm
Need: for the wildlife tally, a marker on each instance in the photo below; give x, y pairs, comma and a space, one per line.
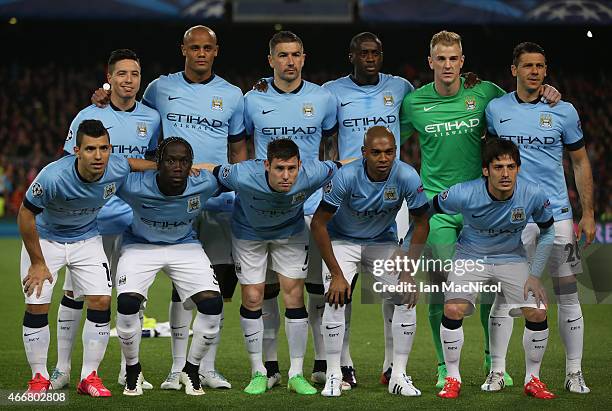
575, 146
330, 132
234, 138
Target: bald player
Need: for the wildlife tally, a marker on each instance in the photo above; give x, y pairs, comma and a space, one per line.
207, 111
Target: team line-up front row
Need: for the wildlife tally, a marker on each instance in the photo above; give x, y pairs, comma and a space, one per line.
279, 200
269, 225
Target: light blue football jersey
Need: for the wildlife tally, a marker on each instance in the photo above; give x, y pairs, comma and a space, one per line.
161, 219
132, 133
305, 115
492, 228
363, 106
208, 115
66, 205
541, 132
262, 213
365, 210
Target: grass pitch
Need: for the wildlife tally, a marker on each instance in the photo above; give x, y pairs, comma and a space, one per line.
367, 350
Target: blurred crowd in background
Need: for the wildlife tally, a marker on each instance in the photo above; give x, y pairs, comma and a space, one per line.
38, 102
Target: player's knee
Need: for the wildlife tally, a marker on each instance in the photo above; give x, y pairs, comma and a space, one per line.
252, 298
271, 291
208, 302
317, 289
128, 303
534, 315
293, 296
37, 309
176, 298
98, 302
454, 311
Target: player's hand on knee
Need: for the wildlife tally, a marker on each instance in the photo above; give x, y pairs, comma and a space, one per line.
261, 85
550, 95
471, 79
339, 291
101, 97
534, 285
34, 281
586, 226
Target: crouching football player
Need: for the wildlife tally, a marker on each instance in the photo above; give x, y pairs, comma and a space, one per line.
496, 209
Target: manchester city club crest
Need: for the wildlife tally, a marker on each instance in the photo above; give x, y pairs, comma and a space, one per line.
109, 190
517, 215
225, 172
308, 110
444, 195
193, 204
141, 129
217, 103
328, 187
70, 135
298, 198
388, 98
470, 103
545, 120
390, 194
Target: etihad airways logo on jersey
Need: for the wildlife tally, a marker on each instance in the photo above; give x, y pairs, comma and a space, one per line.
129, 149
78, 212
450, 128
193, 121
369, 121
542, 141
287, 131
376, 213
165, 225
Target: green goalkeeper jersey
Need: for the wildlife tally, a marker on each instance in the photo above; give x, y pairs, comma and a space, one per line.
450, 132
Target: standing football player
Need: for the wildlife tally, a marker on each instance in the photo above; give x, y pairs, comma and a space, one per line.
541, 133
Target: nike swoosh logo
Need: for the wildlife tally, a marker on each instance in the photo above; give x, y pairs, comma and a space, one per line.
571, 321
147, 207
71, 198
498, 317
327, 327
59, 320
172, 98
127, 338
320, 306
430, 108
357, 196
503, 121
176, 328
267, 111
574, 264
534, 340
407, 325
450, 342
108, 128
345, 104
250, 335
36, 332
208, 338
102, 325
477, 216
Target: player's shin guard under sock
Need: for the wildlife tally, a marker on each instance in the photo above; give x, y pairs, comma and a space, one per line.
271, 324
252, 329
333, 335
500, 331
451, 334
129, 332
571, 329
296, 327
205, 331
96, 333
208, 362
180, 319
316, 305
404, 329
485, 309
387, 311
68, 322
535, 339
36, 338
138, 336
345, 358
435, 319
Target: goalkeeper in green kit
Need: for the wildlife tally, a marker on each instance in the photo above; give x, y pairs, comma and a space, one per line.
450, 122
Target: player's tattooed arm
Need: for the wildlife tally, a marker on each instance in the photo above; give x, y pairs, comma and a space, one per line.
339, 289
471, 79
583, 176
38, 271
139, 164
550, 94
